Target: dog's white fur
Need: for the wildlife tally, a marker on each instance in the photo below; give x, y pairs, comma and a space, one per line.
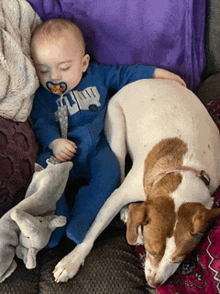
139, 117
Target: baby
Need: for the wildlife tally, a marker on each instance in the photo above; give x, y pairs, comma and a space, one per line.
68, 78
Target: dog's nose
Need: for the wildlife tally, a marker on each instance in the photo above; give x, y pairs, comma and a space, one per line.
152, 282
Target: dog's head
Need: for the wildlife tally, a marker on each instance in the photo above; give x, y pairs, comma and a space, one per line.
167, 236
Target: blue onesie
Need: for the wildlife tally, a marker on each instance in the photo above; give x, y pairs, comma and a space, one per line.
94, 160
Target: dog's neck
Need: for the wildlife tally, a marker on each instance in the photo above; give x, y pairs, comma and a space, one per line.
201, 174
163, 174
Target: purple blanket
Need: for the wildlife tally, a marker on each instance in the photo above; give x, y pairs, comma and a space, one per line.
165, 33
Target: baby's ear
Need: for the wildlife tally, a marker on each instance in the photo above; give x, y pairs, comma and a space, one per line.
85, 62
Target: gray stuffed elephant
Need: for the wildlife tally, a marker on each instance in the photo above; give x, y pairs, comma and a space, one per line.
44, 191
35, 234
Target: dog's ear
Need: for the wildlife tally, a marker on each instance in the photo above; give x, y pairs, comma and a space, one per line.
137, 215
201, 220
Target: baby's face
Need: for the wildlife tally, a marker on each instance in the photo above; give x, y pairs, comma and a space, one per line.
59, 63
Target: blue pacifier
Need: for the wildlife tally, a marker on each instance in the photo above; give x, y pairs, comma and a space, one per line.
58, 89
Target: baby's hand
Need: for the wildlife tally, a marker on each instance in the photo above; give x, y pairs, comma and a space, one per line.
160, 73
63, 149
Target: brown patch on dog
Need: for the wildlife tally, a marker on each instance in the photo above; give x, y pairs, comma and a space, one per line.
167, 153
193, 221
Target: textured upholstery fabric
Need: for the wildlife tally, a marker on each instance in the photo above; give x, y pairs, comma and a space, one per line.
209, 90
18, 152
212, 44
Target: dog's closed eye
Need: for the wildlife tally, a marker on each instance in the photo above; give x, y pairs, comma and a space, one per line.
153, 254
177, 259
154, 258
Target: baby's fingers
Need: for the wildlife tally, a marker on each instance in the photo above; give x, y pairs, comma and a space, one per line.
72, 144
70, 152
63, 157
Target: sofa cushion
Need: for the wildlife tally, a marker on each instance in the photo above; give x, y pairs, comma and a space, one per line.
111, 267
212, 38
209, 90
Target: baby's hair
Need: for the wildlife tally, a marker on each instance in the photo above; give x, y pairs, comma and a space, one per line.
55, 28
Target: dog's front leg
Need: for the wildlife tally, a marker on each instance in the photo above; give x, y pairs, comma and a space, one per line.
70, 264
68, 267
128, 192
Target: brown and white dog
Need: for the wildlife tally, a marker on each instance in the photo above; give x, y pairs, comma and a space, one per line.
175, 148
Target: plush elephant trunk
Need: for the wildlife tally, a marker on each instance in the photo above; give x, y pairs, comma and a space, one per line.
31, 258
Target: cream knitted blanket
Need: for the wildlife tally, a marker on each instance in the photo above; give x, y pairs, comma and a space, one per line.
18, 79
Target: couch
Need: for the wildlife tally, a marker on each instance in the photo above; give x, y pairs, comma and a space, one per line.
113, 266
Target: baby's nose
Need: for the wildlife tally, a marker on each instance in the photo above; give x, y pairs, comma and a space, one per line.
55, 75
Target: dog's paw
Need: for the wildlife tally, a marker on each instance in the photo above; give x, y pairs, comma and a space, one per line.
68, 267
124, 214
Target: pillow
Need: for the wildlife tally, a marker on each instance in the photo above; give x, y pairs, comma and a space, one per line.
209, 90
18, 152
165, 33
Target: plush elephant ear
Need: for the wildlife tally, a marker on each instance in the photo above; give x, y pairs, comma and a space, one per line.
37, 167
25, 221
57, 221
31, 258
